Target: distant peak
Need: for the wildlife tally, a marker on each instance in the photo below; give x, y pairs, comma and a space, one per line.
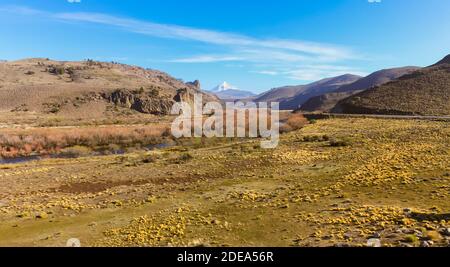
223, 87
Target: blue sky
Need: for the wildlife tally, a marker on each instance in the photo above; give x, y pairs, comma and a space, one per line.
254, 45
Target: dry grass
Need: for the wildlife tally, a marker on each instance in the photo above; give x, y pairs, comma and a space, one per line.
19, 142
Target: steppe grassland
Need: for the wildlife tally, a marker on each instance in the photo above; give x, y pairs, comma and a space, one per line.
336, 181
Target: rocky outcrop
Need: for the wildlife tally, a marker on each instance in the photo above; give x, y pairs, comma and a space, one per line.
140, 101
147, 102
183, 95
195, 84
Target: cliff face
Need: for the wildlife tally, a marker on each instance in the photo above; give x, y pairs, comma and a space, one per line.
147, 102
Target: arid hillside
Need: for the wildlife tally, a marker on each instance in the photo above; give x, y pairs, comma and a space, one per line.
327, 101
423, 92
87, 88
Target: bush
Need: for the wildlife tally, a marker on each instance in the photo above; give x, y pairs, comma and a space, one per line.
315, 138
57, 70
50, 140
150, 158
336, 142
433, 235
153, 92
411, 239
294, 122
183, 158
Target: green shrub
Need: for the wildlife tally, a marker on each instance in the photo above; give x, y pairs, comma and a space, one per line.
315, 138
340, 142
411, 239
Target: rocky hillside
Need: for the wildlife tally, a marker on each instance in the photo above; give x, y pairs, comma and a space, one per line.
88, 87
327, 102
291, 97
423, 92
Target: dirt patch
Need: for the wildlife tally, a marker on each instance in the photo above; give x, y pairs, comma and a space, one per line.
88, 187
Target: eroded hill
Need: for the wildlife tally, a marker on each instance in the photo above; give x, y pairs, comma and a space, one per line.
88, 88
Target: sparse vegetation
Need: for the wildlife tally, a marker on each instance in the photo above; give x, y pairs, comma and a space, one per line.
390, 183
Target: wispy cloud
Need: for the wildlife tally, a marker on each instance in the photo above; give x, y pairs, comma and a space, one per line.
207, 59
239, 47
266, 72
209, 36
249, 55
22, 10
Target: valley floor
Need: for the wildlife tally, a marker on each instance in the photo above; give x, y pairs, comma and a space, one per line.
338, 181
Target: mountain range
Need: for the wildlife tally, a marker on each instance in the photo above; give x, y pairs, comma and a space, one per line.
89, 89
292, 97
401, 91
327, 101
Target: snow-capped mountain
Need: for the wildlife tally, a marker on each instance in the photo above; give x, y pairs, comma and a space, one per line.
227, 91
223, 87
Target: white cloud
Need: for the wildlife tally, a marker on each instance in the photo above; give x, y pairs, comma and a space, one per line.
266, 72
374, 1
74, 1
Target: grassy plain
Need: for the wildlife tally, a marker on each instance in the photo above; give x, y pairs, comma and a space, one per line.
333, 182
